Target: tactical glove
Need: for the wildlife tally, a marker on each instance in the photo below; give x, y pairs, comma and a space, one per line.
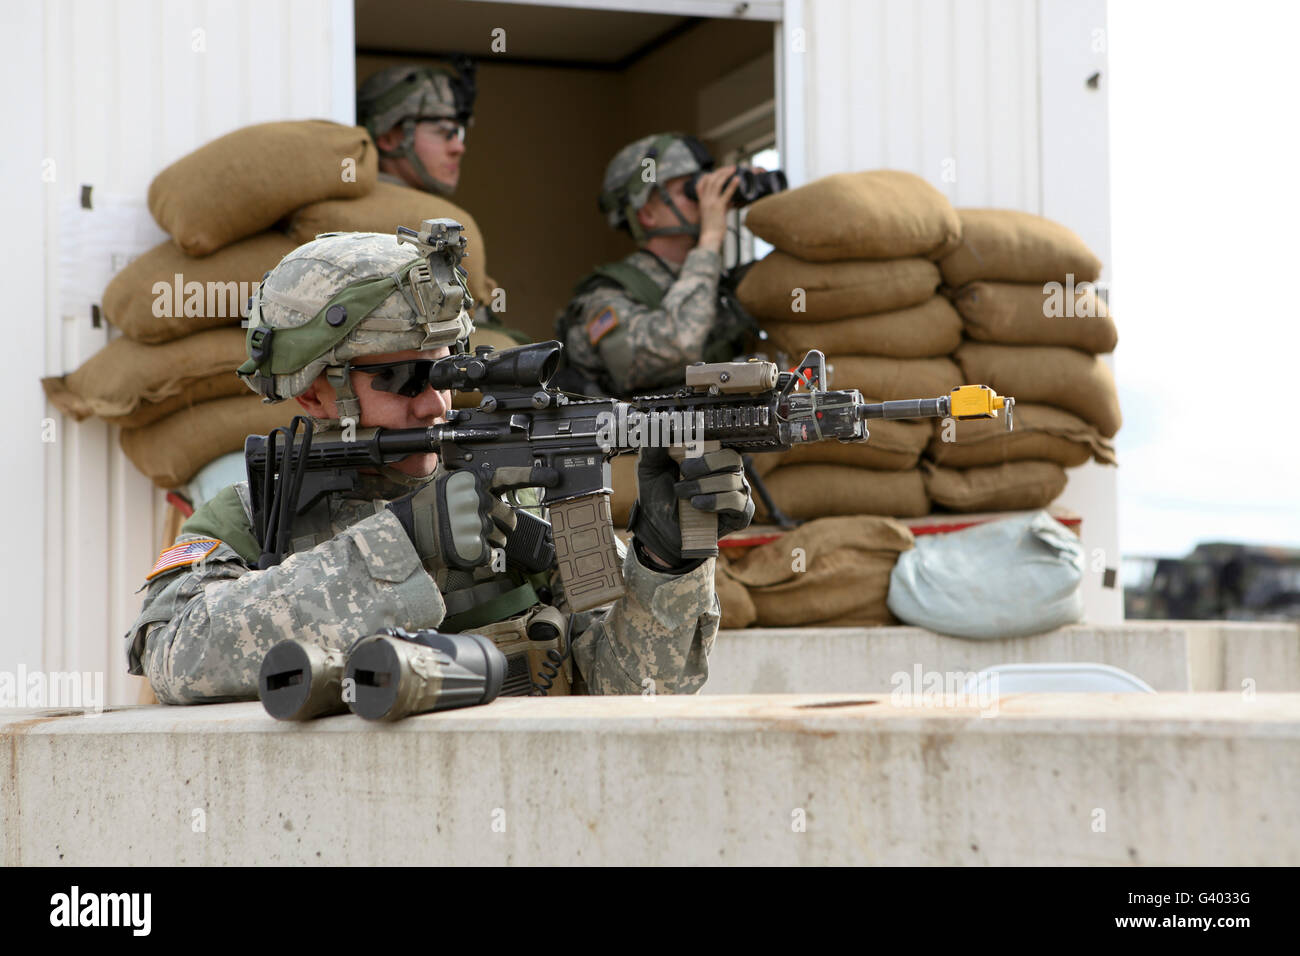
713, 482
454, 521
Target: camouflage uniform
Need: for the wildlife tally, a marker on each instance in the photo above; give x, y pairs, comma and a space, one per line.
627, 347
209, 618
204, 629
629, 333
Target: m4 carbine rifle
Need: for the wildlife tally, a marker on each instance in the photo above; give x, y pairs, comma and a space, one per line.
543, 437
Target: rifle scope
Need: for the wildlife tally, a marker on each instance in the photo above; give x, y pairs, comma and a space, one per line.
524, 366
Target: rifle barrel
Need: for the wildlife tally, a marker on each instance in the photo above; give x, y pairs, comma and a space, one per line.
908, 408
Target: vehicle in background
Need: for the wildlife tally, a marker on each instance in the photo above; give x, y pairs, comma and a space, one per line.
1217, 581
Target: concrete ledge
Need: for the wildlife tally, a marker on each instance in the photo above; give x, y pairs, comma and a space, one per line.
1172, 779
1168, 655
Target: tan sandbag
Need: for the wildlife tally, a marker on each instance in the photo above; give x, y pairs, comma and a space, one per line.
832, 568
737, 608
244, 182
891, 379
385, 208
148, 303
766, 462
1016, 246
221, 385
1014, 486
833, 290
920, 331
892, 446
1063, 377
878, 214
1012, 313
171, 451
1041, 432
122, 375
819, 491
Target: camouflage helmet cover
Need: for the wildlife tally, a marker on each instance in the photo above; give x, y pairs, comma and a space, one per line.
630, 178
397, 93
345, 295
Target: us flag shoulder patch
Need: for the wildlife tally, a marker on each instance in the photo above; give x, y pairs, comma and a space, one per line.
604, 322
182, 554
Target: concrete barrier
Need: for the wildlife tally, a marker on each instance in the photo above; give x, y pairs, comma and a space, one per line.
1209, 779
1168, 655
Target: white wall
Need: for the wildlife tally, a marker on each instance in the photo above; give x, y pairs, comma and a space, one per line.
987, 100
112, 93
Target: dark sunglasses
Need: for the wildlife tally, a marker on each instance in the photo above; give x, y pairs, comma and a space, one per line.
407, 378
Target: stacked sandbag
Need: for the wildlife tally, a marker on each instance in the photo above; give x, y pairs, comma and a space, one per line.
1033, 328
853, 275
169, 382
173, 450
163, 396
385, 208
233, 208
165, 294
131, 384
220, 205
831, 571
245, 182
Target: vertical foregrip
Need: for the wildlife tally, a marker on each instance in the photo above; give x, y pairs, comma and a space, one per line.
583, 529
699, 529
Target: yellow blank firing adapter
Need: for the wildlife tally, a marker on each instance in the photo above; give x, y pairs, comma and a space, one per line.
979, 401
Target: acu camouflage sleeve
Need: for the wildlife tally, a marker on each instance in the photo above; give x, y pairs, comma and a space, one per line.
648, 347
204, 630
658, 635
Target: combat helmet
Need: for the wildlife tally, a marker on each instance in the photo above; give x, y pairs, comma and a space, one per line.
404, 95
641, 168
348, 294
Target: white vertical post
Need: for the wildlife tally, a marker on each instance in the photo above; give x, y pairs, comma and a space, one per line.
791, 108
343, 61
1075, 184
25, 172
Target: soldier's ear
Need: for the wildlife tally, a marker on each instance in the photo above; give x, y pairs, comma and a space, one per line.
390, 140
318, 400
646, 214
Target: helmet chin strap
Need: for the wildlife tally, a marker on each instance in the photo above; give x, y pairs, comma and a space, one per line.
340, 378
687, 228
407, 151
349, 408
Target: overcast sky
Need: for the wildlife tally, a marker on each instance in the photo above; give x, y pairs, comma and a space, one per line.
1205, 201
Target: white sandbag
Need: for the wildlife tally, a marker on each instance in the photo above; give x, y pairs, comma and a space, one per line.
1008, 578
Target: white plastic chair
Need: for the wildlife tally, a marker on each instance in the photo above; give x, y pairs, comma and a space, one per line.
1058, 679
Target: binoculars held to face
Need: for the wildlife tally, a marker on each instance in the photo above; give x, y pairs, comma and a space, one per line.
753, 185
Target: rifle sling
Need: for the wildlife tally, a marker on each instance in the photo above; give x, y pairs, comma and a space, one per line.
473, 607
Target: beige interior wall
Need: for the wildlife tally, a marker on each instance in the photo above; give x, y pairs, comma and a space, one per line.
538, 150
661, 89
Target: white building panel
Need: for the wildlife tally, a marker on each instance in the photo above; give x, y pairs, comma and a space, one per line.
989, 101
114, 92
948, 90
